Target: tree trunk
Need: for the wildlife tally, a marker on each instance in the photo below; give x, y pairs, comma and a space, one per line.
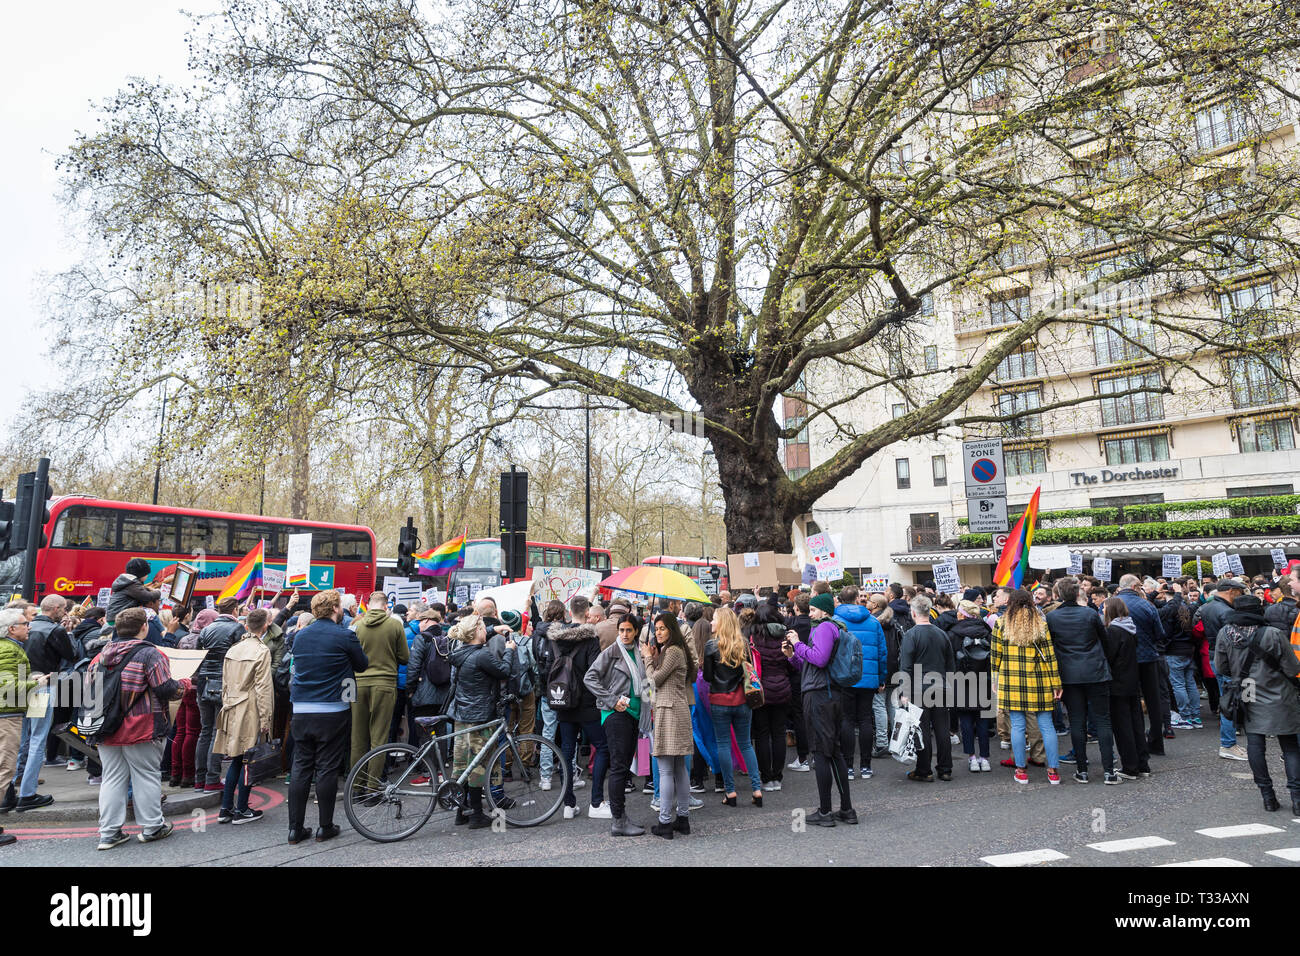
300, 466
759, 510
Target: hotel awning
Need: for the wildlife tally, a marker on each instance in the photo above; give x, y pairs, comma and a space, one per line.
1188, 548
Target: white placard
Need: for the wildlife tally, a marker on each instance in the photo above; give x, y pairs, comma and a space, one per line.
298, 559
272, 580
986, 515
1219, 564
210, 602
946, 578
874, 584
432, 596
101, 600
1234, 562
1076, 562
1101, 569
1047, 557
474, 588
751, 559
408, 592
985, 471
1171, 565
561, 584
1279, 557
825, 556
462, 595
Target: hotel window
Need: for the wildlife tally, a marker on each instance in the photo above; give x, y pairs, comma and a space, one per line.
939, 468
1025, 461
1260, 491
1127, 409
1240, 306
1122, 339
1006, 311
1275, 434
1022, 364
903, 472
898, 159
1129, 449
931, 358
898, 410
989, 84
927, 305
1255, 380
1011, 255
1220, 125
1014, 405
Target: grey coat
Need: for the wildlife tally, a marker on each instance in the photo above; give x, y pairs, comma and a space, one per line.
1276, 705
610, 677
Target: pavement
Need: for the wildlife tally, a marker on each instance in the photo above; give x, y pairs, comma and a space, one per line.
1197, 809
76, 800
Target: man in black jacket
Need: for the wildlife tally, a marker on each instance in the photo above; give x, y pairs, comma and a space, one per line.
926, 661
1181, 656
1210, 617
1079, 639
217, 638
1281, 614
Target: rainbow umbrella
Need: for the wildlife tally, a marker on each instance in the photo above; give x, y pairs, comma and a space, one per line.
655, 581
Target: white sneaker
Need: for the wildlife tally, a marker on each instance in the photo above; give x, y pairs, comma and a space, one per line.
984, 765
602, 812
1005, 744
769, 786
776, 784
799, 765
974, 764
956, 740
654, 805
579, 784
570, 812
545, 783
1233, 753
696, 803
76, 765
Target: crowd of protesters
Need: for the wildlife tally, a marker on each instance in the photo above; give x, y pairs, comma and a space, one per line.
725, 689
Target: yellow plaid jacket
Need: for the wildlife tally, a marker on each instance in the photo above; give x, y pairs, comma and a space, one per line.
1027, 676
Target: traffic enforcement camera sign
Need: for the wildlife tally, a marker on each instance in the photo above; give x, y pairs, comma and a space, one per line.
984, 468
986, 515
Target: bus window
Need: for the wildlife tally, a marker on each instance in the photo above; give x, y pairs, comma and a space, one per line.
552, 557
245, 535
322, 544
483, 555
568, 558
142, 531
534, 557
600, 562
209, 535
352, 545
82, 527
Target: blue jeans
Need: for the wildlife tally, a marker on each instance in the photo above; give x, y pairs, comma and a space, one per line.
1182, 677
1227, 730
549, 722
35, 733
1045, 727
236, 791
724, 719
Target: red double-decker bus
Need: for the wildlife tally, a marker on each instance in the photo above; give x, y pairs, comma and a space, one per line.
89, 540
697, 569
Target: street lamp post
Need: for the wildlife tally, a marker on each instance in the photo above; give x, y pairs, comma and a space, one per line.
162, 424
586, 562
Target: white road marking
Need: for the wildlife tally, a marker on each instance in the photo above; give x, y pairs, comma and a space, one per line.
1243, 829
1291, 853
1217, 861
1027, 858
1134, 843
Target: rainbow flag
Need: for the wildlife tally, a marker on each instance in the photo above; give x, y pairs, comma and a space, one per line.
297, 581
1014, 563
445, 557
247, 574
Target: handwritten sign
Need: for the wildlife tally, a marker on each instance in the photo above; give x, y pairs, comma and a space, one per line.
297, 568
1171, 565
1219, 564
1049, 556
462, 595
825, 557
1101, 569
101, 600
1234, 562
1279, 557
561, 584
1076, 562
273, 580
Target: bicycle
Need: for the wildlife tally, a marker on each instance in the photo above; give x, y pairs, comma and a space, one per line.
391, 805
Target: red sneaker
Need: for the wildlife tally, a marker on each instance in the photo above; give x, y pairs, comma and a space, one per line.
1022, 775
1009, 762
1053, 777
420, 782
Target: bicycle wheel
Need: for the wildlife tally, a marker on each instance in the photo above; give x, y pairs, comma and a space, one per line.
380, 797
522, 798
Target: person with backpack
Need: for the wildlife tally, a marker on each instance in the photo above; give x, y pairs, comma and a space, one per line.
573, 650
779, 679
428, 679
1079, 636
972, 642
925, 660
1028, 682
136, 683
545, 651
859, 700
247, 709
479, 673
1249, 649
16, 682
822, 707
725, 656
217, 638
522, 683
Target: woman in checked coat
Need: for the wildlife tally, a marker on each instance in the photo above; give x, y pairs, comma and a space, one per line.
1028, 681
671, 666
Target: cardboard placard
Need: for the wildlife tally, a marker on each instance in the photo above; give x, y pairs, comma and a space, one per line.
1101, 569
1171, 565
1076, 562
770, 570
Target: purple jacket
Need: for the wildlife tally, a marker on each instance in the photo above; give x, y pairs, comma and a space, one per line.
815, 655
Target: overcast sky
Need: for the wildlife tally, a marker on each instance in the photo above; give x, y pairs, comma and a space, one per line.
59, 59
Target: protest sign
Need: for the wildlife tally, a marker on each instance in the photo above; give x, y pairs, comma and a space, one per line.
561, 584
1234, 563
874, 584
297, 568
462, 595
1101, 569
1171, 566
825, 556
272, 580
1046, 557
1076, 562
1279, 557
101, 600
946, 579
1219, 563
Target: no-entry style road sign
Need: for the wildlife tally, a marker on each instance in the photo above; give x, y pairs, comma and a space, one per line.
985, 471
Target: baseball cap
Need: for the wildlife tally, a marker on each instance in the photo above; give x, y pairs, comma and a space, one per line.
1229, 584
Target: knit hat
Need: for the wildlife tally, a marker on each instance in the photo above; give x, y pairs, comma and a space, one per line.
512, 620
972, 594
823, 602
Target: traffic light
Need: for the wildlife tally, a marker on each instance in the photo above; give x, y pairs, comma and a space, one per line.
22, 513
407, 541
7, 546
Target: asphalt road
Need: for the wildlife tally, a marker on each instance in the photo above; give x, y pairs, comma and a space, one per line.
962, 823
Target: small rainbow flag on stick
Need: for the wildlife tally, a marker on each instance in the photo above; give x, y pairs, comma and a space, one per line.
247, 574
1015, 556
445, 557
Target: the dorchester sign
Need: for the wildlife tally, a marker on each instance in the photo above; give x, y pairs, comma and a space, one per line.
1106, 476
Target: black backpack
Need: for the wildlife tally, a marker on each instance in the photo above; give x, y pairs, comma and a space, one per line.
103, 715
563, 683
437, 662
974, 652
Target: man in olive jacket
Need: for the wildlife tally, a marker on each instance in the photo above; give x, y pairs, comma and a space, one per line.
383, 639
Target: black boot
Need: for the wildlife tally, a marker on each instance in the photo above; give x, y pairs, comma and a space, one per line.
665, 830
1270, 800
10, 800
478, 820
682, 825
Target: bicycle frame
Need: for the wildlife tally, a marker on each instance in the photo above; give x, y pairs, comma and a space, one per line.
499, 726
